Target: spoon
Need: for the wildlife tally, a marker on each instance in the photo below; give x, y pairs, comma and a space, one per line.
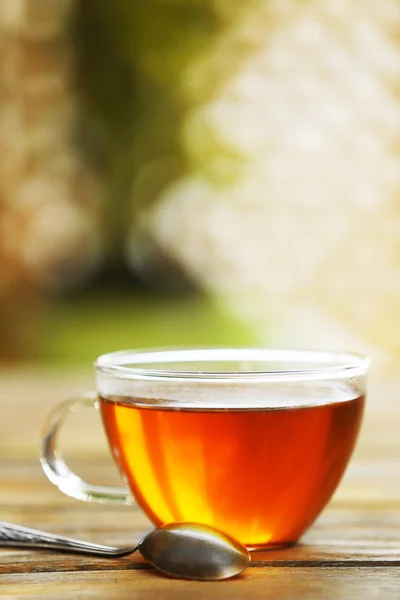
187, 550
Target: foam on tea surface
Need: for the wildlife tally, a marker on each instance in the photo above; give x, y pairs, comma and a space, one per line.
231, 397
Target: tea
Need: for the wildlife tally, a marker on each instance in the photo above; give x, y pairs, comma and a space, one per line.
261, 474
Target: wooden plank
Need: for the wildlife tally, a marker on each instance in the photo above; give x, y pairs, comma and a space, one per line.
346, 533
283, 583
342, 535
316, 556
352, 551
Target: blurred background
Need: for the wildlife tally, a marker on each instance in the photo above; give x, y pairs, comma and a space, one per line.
204, 172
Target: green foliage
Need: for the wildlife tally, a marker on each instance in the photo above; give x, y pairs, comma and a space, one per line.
77, 331
132, 58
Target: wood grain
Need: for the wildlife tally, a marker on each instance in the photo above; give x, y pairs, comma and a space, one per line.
271, 583
352, 551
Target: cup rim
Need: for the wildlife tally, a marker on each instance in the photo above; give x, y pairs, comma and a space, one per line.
332, 364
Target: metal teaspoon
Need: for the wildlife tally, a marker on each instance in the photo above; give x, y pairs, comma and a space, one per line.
187, 550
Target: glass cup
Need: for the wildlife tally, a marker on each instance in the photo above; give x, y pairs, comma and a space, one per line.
251, 441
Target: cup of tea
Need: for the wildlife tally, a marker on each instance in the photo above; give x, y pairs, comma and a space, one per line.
251, 441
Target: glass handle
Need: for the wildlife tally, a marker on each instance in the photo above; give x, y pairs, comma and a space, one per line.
58, 471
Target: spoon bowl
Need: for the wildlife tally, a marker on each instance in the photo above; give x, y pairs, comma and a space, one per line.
194, 551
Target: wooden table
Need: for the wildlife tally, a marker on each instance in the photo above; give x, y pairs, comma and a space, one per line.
352, 551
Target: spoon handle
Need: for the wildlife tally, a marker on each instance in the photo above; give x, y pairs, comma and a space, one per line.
22, 537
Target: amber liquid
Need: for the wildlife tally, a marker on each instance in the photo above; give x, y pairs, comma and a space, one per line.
262, 475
